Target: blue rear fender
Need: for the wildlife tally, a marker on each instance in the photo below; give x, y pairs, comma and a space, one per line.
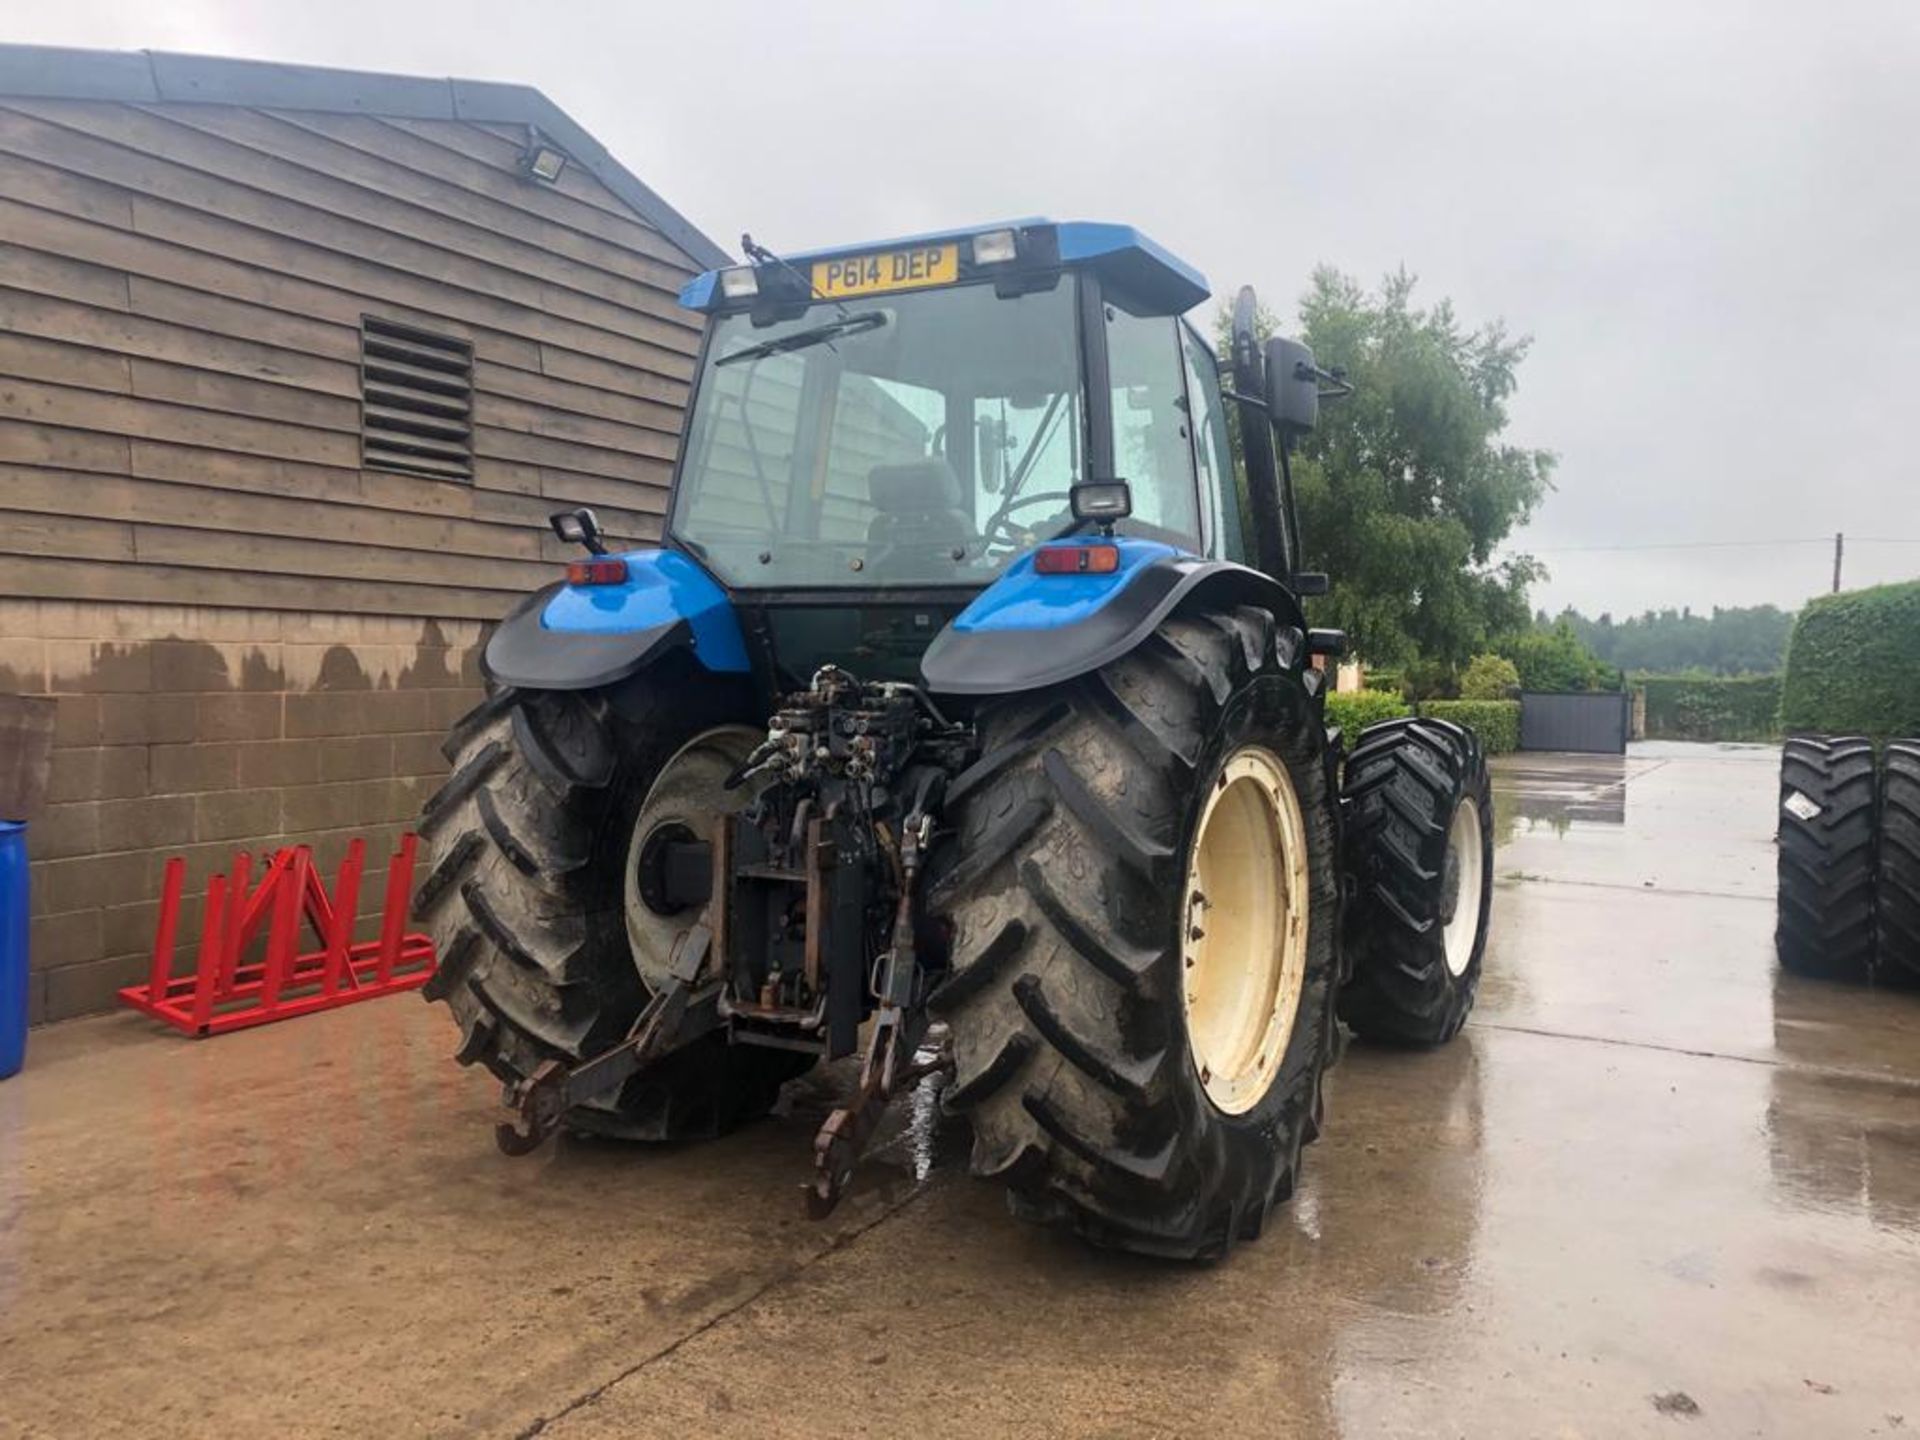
1028, 630
580, 637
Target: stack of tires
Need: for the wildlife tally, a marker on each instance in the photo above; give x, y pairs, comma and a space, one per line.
1849, 897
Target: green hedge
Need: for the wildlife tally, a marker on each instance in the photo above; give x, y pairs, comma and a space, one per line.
1360, 708
1853, 664
1496, 722
1712, 707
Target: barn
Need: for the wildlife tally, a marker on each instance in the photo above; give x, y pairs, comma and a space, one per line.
293, 365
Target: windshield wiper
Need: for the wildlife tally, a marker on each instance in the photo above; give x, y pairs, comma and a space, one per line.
803, 339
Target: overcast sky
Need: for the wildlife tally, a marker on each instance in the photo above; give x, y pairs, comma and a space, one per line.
1706, 215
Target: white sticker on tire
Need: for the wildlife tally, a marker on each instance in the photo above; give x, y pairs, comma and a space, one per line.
1800, 805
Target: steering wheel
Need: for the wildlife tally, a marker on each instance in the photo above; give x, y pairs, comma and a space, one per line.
1002, 518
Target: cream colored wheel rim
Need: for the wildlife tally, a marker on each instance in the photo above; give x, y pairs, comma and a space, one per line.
1244, 943
689, 791
1463, 882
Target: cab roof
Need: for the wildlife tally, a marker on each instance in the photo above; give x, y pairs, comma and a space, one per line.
1154, 278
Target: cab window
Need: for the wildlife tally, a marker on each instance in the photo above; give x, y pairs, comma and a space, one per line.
1151, 449
1026, 457
877, 421
1220, 489
928, 442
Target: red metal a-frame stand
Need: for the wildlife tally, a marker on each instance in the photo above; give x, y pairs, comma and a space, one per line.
223, 993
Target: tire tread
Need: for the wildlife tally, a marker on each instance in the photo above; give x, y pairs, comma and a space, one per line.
1897, 871
1825, 913
1404, 779
519, 898
1064, 998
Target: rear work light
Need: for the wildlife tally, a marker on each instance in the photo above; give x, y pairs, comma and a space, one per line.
1076, 559
597, 571
996, 247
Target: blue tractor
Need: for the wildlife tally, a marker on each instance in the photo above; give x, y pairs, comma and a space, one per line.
965, 718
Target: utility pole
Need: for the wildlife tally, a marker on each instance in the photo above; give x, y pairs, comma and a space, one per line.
1839, 546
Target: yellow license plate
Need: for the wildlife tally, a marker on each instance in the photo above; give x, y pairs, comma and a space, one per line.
890, 270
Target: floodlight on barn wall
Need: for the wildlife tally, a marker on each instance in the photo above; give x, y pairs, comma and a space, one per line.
416, 400
542, 160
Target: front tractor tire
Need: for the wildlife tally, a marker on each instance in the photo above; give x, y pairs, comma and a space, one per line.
527, 892
1419, 862
1142, 889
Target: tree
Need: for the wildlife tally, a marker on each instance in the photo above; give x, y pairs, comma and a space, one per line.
1489, 677
1406, 487
1740, 640
1553, 657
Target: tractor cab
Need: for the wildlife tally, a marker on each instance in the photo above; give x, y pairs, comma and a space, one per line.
918, 415
879, 433
912, 458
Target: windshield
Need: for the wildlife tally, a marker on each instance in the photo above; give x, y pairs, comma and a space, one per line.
920, 439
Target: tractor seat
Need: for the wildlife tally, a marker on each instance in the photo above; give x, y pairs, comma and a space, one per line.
916, 510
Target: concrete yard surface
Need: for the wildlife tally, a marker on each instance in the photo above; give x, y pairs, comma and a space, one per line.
1655, 1188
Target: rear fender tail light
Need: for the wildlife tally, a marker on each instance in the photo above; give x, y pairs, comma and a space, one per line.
1076, 559
597, 571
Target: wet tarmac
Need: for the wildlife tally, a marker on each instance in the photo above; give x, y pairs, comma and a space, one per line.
1654, 1189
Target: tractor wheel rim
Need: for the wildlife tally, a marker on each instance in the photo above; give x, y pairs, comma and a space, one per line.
688, 792
1466, 883
1243, 945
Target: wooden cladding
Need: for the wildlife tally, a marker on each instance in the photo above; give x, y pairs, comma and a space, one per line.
367, 345
416, 401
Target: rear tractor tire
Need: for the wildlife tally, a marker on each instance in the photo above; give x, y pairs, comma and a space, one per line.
1144, 904
528, 886
1825, 923
1419, 862
1897, 871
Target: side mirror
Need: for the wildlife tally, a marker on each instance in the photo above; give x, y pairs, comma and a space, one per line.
579, 527
1293, 387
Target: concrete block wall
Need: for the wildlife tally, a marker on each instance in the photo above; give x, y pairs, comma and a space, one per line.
199, 731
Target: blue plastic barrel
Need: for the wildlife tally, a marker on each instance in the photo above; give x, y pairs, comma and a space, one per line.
13, 947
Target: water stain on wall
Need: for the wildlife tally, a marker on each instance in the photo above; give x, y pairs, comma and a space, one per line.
202, 732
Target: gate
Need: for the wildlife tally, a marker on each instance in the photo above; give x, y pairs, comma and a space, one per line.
1595, 724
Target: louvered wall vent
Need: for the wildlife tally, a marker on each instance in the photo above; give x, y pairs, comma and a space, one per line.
416, 401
